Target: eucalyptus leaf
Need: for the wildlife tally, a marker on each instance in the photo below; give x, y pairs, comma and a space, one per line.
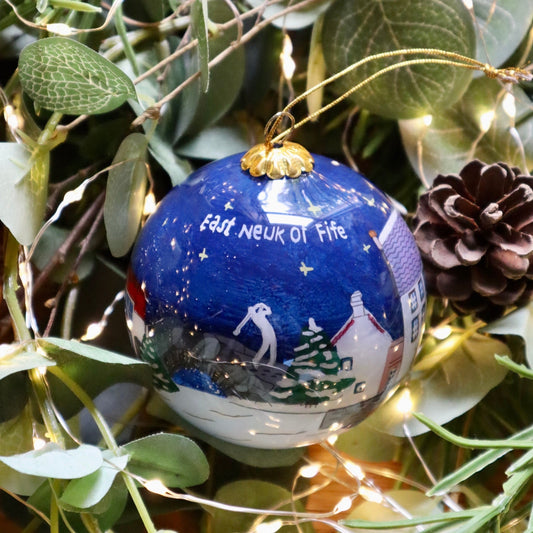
64, 75
316, 67
368, 443
455, 136
24, 187
125, 192
262, 66
178, 169
111, 507
174, 459
54, 462
295, 20
16, 436
200, 20
446, 390
501, 26
258, 495
149, 91
216, 142
76, 5
14, 391
416, 503
85, 350
87, 491
94, 369
15, 360
195, 110
518, 323
356, 29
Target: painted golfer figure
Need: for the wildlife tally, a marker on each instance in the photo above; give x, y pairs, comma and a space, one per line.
258, 314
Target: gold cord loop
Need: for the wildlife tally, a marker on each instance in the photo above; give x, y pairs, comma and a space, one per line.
274, 123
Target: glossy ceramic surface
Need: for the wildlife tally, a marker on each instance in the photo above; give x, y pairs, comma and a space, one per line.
275, 312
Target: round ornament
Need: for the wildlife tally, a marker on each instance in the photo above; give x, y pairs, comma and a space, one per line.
275, 312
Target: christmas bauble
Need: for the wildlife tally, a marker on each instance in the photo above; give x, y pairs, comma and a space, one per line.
275, 313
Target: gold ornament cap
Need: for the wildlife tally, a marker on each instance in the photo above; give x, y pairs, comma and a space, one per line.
283, 159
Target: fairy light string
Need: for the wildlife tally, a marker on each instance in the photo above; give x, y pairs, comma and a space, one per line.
439, 57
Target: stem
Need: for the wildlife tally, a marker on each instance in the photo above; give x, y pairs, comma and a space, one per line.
22, 333
474, 443
128, 49
10, 289
217, 59
34, 525
50, 128
40, 389
54, 509
90, 522
109, 439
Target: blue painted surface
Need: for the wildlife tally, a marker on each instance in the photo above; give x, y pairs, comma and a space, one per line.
224, 241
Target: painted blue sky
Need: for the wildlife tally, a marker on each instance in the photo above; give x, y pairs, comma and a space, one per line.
224, 241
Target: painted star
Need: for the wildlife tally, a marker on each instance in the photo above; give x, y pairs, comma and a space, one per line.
315, 209
366, 247
202, 255
227, 206
305, 269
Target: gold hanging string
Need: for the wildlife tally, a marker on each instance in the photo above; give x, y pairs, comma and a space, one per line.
277, 158
509, 75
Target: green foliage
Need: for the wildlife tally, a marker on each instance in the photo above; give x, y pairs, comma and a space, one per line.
65, 76
502, 26
200, 28
453, 138
256, 495
446, 383
54, 462
520, 324
126, 187
16, 438
89, 490
173, 459
23, 182
415, 503
357, 29
16, 360
93, 368
296, 20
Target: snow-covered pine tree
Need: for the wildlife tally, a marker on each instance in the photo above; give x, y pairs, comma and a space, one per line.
315, 374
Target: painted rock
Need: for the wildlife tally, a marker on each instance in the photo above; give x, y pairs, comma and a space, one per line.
275, 313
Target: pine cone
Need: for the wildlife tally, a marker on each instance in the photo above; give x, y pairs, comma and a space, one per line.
475, 234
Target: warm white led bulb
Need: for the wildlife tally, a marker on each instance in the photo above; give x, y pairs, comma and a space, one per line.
59, 29
486, 120
149, 204
442, 332
269, 527
355, 470
288, 66
405, 403
509, 105
156, 486
344, 504
371, 495
309, 471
